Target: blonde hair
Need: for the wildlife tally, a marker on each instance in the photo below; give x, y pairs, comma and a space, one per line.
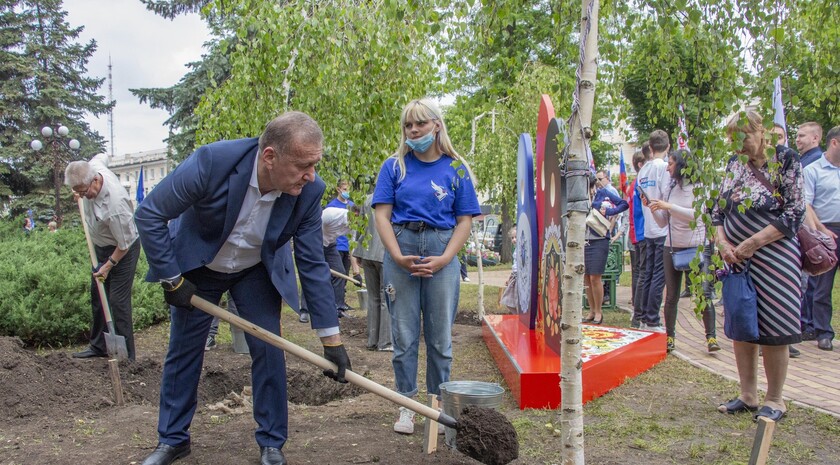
426, 110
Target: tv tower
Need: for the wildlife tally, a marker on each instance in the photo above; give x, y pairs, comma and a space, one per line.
111, 100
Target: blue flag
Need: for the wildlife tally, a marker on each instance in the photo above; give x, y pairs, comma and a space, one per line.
140, 194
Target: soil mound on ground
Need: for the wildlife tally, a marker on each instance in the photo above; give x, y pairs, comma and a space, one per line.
308, 386
487, 436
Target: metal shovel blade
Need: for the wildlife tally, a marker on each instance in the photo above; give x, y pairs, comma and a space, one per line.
115, 345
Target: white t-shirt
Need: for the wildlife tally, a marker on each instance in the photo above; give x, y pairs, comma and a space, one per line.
654, 181
334, 223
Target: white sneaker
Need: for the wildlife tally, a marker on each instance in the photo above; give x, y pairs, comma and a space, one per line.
405, 425
654, 328
466, 279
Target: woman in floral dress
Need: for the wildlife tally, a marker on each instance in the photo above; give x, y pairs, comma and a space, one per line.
760, 224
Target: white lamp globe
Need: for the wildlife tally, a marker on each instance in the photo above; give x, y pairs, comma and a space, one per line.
46, 131
63, 131
74, 144
36, 145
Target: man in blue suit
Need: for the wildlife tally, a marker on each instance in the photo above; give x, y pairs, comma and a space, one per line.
222, 220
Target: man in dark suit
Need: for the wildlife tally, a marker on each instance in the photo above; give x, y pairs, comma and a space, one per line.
222, 220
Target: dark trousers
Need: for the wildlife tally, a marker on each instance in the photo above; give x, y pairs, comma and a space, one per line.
634, 273
345, 261
655, 275
334, 260
806, 308
378, 318
257, 301
823, 285
643, 281
673, 284
463, 262
118, 292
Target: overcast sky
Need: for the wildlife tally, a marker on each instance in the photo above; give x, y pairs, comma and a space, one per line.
146, 51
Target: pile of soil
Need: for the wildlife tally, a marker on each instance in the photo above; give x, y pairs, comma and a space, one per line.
487, 436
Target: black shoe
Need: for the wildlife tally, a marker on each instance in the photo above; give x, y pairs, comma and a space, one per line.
825, 344
90, 352
165, 454
794, 352
304, 317
342, 313
272, 456
345, 307
685, 293
809, 335
210, 344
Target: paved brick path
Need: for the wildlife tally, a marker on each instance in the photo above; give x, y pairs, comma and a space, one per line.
813, 379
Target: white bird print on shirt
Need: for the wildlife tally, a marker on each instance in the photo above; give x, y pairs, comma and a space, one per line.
440, 193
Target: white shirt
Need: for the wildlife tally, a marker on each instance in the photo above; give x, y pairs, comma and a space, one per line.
334, 223
654, 181
822, 189
110, 215
242, 248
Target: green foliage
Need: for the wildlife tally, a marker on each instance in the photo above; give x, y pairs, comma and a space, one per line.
45, 286
801, 44
350, 66
43, 81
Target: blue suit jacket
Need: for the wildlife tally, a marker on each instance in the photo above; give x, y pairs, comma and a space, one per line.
203, 196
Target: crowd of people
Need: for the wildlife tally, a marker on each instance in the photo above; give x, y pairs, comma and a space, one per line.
238, 217
769, 191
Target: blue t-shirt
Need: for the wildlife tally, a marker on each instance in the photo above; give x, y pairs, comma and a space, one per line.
342, 244
434, 193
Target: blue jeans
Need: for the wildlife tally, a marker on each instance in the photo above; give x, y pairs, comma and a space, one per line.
434, 299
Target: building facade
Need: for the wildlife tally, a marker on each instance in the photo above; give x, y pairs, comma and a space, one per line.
154, 163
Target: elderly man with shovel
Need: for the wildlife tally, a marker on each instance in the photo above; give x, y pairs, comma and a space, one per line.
222, 220
112, 238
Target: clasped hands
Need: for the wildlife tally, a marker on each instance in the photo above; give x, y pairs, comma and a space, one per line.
421, 267
743, 251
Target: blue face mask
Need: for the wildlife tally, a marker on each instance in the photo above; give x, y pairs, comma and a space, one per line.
345, 195
421, 144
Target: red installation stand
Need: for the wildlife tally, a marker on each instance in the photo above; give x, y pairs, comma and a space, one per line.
532, 370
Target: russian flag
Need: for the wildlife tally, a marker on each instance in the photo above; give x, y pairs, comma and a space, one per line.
622, 170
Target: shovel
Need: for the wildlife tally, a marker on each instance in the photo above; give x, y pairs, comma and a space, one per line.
114, 343
323, 363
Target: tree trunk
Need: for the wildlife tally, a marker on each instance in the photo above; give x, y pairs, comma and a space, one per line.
506, 251
577, 194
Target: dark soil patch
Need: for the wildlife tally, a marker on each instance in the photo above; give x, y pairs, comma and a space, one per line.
308, 386
487, 436
467, 318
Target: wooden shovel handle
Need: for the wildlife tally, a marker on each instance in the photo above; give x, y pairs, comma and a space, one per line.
349, 278
321, 362
106, 307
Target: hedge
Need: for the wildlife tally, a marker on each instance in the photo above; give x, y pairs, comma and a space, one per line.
45, 286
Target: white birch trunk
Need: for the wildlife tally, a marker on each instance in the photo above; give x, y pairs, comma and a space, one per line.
571, 417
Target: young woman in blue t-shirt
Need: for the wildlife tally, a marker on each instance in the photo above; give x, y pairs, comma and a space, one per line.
425, 200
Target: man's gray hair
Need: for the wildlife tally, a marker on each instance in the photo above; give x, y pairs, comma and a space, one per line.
289, 131
78, 173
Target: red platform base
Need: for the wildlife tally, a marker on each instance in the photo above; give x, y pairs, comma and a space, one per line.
532, 370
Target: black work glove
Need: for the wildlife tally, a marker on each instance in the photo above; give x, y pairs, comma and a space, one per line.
337, 355
179, 294
358, 277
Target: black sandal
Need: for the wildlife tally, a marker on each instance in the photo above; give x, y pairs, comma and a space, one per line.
736, 405
770, 413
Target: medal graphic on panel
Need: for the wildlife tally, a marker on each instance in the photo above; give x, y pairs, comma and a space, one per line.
526, 233
545, 115
554, 245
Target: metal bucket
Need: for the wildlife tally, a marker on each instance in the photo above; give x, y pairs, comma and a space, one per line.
455, 395
363, 299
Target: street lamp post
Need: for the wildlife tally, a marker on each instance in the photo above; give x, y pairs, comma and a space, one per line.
58, 140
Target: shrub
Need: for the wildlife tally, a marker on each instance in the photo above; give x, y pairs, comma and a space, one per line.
45, 286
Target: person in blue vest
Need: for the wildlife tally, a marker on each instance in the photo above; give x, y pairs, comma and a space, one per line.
425, 200
222, 221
